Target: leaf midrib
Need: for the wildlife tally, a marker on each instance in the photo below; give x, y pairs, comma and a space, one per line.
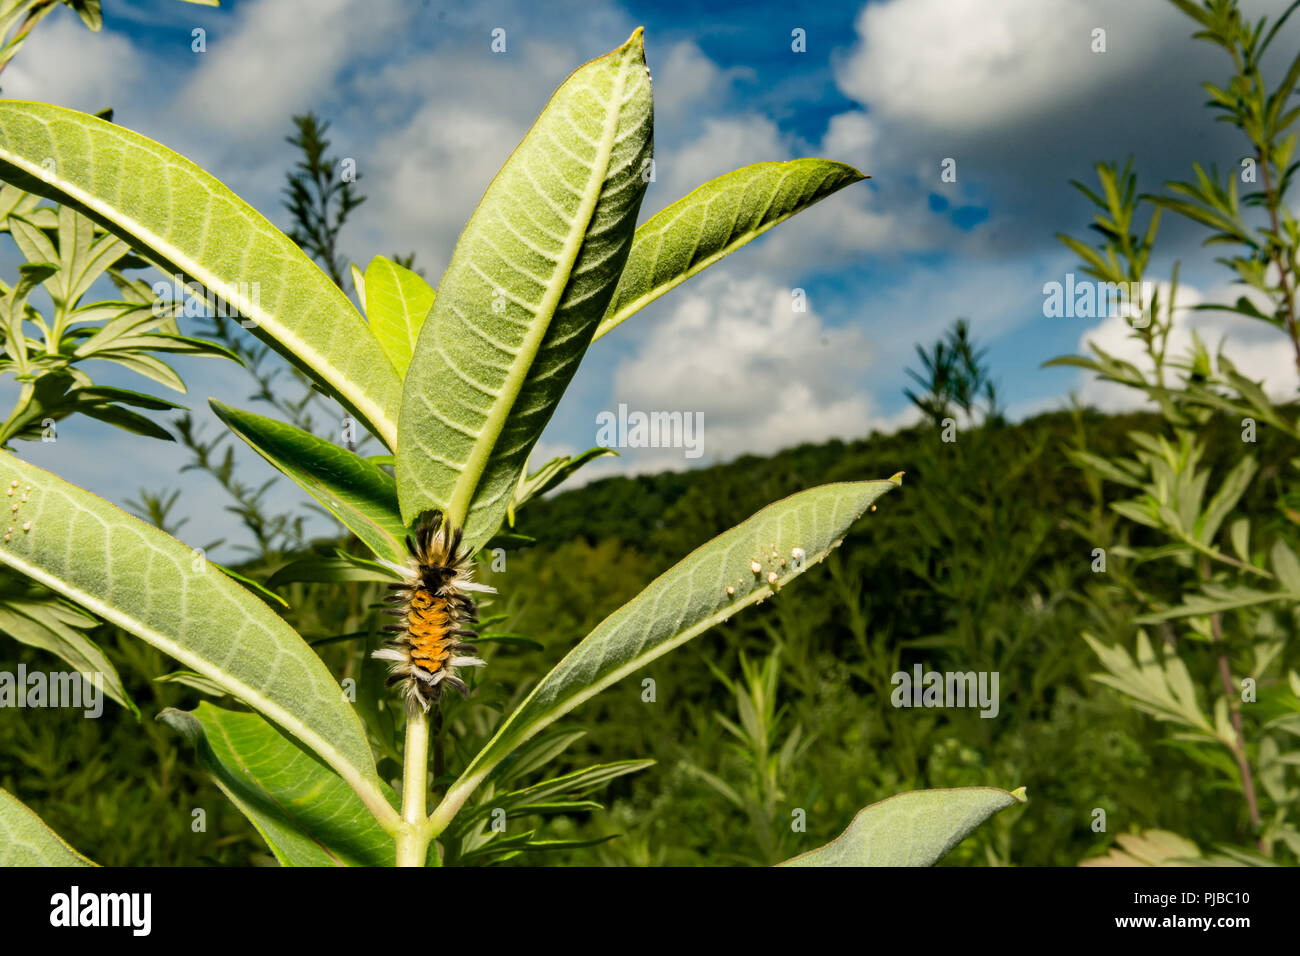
355, 776
470, 476
474, 775
737, 240
293, 820
374, 414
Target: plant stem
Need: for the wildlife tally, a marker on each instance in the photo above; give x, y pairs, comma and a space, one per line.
1239, 750
1288, 299
413, 832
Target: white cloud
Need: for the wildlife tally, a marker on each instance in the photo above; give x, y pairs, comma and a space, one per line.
724, 143
763, 375
427, 165
966, 64
279, 58
686, 81
62, 62
851, 138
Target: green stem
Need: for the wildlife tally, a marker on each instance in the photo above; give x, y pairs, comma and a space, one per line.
1272, 201
413, 833
1225, 559
1238, 746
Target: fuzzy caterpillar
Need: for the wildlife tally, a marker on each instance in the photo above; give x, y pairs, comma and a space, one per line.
437, 615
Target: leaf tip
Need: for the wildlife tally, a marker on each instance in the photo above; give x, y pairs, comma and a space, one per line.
180, 721
1021, 795
856, 174
897, 479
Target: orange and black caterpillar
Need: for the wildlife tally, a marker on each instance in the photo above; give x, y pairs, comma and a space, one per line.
437, 615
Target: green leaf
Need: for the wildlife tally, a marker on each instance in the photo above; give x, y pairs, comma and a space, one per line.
1149, 848
255, 586
356, 491
57, 628
533, 755
527, 286
359, 284
125, 419
331, 571
396, 302
1285, 566
548, 476
541, 798
25, 840
1240, 534
1215, 599
153, 586
911, 829
575, 784
89, 12
146, 365
784, 538
714, 221
304, 812
1225, 499
191, 224
195, 681
1163, 689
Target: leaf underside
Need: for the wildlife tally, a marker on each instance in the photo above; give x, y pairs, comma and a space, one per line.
353, 489
784, 539
146, 582
396, 301
714, 221
190, 223
306, 814
26, 840
911, 829
526, 287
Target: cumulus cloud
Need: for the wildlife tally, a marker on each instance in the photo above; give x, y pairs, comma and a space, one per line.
1015, 94
980, 63
62, 62
276, 59
686, 81
764, 375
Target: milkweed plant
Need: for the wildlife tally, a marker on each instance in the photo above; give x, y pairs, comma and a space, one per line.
457, 384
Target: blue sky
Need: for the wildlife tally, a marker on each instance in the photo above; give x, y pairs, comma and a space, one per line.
1010, 90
